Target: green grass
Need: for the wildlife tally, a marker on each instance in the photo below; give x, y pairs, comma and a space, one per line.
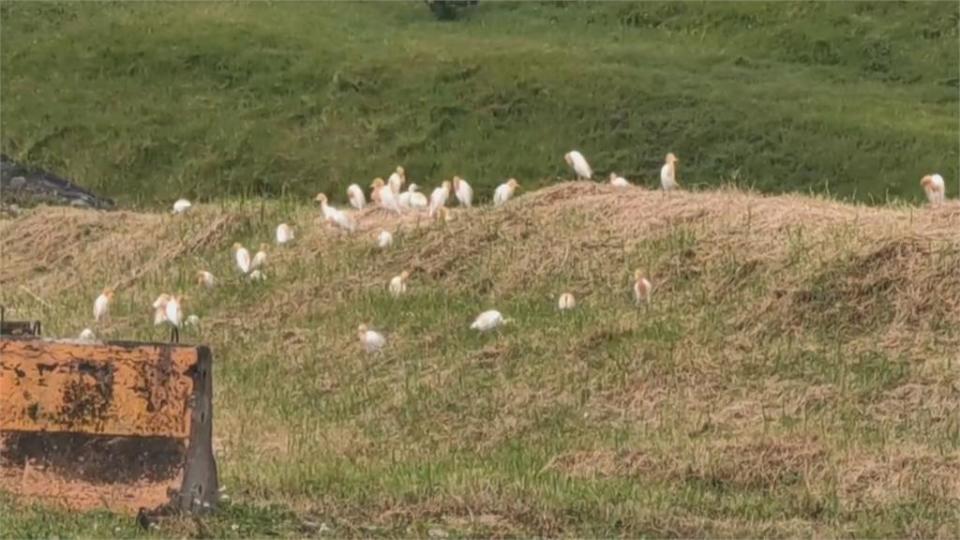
717, 411
149, 102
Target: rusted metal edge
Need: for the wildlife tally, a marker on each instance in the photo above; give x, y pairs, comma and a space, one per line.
17, 328
199, 491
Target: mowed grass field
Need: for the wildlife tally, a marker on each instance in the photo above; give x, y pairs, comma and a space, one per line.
794, 375
147, 102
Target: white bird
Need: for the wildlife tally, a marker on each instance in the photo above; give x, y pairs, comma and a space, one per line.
668, 173
618, 181
257, 275
371, 340
463, 191
325, 208
934, 187
355, 196
403, 199
488, 320
181, 206
384, 195
160, 309
641, 288
396, 180
284, 234
242, 257
88, 335
384, 239
504, 191
260, 258
101, 306
566, 301
415, 199
173, 311
398, 285
579, 164
206, 279
332, 215
174, 316
438, 199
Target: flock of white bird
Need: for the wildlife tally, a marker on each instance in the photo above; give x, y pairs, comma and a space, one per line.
391, 197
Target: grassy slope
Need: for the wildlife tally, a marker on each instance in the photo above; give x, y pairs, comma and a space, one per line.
150, 102
796, 374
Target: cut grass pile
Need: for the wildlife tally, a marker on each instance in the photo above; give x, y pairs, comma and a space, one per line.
795, 374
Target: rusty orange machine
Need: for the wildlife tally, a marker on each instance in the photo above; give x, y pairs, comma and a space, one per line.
116, 425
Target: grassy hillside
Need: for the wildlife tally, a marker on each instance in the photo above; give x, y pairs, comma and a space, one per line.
795, 374
147, 102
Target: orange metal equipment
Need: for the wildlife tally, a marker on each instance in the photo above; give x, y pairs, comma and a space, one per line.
117, 425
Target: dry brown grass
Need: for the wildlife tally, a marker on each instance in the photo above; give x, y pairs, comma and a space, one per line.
54, 248
746, 375
588, 232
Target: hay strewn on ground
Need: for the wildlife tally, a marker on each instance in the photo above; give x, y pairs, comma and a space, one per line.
799, 352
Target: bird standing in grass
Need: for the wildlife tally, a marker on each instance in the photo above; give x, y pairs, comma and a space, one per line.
934, 187
242, 258
397, 180
371, 340
415, 199
405, 199
160, 309
333, 215
101, 306
439, 196
668, 173
398, 285
355, 196
641, 288
463, 191
87, 335
579, 164
566, 301
488, 320
618, 181
181, 206
260, 258
384, 239
384, 195
206, 279
174, 316
504, 191
284, 234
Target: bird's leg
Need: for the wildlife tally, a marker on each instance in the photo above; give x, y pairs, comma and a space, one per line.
174, 334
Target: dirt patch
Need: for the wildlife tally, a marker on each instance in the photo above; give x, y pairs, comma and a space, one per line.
937, 402
761, 464
764, 463
608, 464
904, 473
